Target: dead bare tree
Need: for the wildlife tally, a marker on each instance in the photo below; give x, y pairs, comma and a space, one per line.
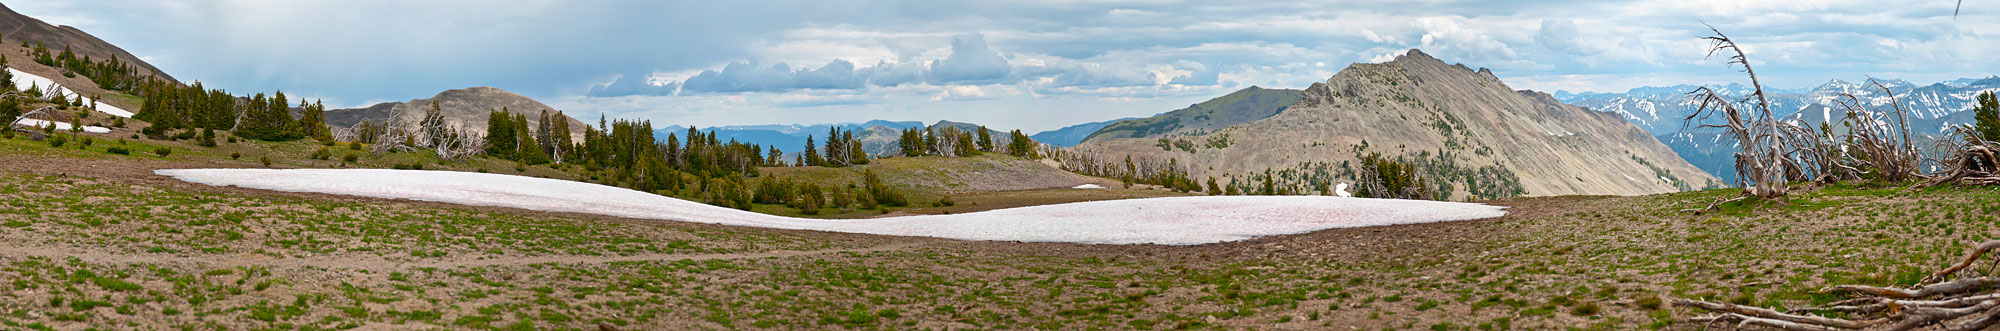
432, 132
1773, 152
1972, 160
1954, 298
1874, 148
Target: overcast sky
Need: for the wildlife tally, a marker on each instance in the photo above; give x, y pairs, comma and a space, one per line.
1029, 64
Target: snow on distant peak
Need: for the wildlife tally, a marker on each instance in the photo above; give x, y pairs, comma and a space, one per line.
1169, 221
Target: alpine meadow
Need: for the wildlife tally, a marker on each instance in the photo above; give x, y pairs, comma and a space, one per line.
953, 165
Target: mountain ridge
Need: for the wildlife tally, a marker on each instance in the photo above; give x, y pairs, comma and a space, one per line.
1464, 126
469, 107
17, 27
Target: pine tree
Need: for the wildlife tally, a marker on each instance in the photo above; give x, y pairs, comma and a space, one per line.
812, 157
313, 121
1018, 144
500, 140
1212, 188
965, 146
910, 143
1270, 187
6, 76
1986, 112
985, 139
860, 154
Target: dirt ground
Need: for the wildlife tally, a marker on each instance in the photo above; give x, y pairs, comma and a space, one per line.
100, 241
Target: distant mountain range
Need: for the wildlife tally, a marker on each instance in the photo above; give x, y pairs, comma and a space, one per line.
789, 137
1932, 108
1072, 135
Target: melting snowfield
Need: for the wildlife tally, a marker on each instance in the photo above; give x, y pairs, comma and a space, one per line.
24, 80
60, 126
1170, 221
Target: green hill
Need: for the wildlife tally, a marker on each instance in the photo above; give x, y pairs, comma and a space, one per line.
1244, 105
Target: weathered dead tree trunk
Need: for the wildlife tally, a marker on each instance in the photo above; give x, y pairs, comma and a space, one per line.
1874, 147
1972, 160
1774, 153
1953, 298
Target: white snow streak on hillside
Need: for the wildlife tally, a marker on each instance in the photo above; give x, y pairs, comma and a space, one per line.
60, 126
23, 79
1172, 221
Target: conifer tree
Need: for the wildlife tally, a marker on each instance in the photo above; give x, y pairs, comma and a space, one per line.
500, 140
985, 139
1018, 144
860, 154
1986, 113
812, 157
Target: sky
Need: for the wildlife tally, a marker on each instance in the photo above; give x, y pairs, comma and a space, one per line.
1020, 64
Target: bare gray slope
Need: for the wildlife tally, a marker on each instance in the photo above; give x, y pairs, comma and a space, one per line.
1463, 126
467, 107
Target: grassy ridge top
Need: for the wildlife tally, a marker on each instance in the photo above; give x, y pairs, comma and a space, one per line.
1249, 104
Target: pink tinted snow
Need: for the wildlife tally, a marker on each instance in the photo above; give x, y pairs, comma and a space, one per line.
1168, 221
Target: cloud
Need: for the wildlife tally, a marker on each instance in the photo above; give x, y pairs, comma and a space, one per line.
748, 77
960, 92
970, 61
1451, 36
1561, 35
636, 83
809, 100
1034, 62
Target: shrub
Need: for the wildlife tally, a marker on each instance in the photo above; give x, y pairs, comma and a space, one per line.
265, 160
87, 141
118, 122
1649, 303
56, 141
350, 157
163, 151
354, 146
207, 138
118, 150
1585, 309
322, 154
235, 156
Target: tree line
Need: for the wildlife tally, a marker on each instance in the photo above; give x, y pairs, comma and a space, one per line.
951, 142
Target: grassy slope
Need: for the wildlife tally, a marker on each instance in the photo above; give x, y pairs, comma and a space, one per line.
1249, 104
117, 252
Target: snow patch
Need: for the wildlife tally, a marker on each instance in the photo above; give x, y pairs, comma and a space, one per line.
1088, 186
23, 79
1169, 221
60, 126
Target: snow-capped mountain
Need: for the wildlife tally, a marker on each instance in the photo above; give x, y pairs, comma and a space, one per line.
1661, 111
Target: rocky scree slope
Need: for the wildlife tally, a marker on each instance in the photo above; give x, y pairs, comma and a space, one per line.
1464, 128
